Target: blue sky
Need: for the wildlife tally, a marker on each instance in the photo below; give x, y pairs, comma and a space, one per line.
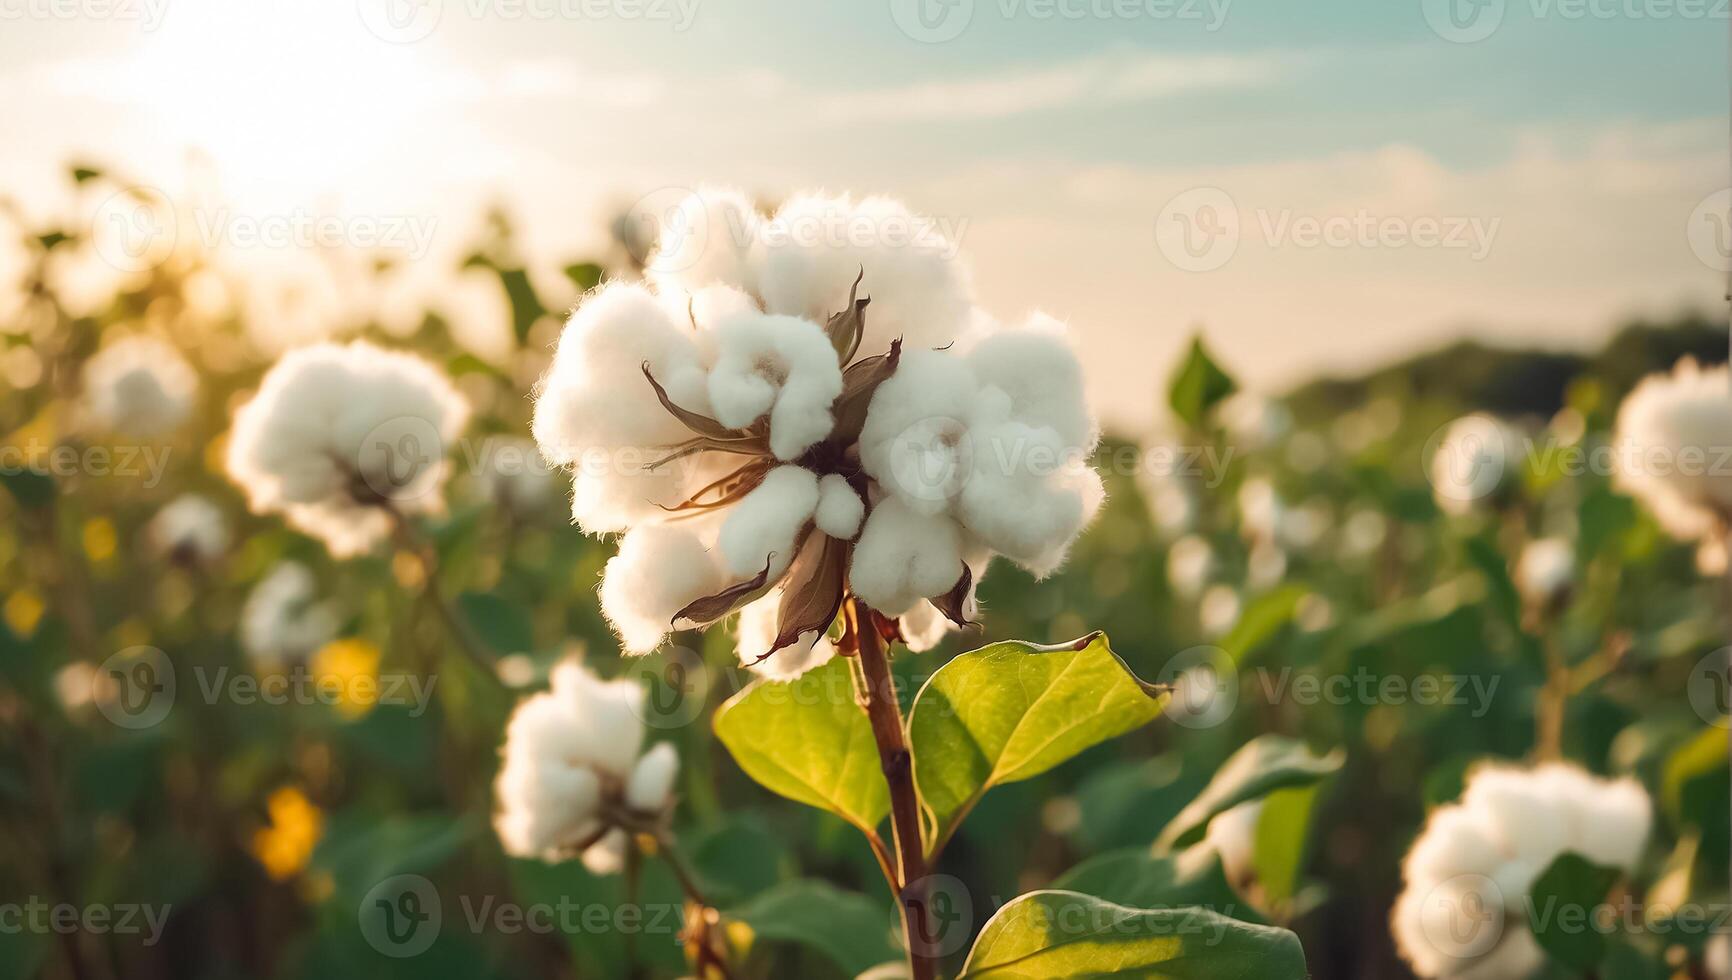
1566, 156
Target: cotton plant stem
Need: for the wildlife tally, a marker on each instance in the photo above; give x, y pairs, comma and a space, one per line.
1554, 699
898, 765
676, 862
412, 541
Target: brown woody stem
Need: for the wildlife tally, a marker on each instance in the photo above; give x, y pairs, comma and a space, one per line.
898, 765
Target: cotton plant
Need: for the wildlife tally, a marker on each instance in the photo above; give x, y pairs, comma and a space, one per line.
285, 618
190, 530
138, 387
1470, 907
804, 423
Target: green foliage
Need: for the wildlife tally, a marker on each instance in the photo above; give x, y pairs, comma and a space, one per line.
1198, 386
853, 931
1137, 878
1064, 934
1563, 898
1263, 766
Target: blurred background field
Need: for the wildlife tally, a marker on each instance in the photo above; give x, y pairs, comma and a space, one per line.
1298, 534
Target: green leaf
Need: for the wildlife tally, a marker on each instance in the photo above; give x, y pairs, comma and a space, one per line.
1262, 620
1278, 852
807, 739
1564, 896
1262, 766
1135, 878
1054, 934
360, 850
852, 930
1011, 711
584, 275
1198, 386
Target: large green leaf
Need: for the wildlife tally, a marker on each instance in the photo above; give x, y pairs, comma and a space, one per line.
1564, 896
1135, 878
1283, 827
808, 740
1198, 386
852, 930
1262, 766
1054, 934
1012, 711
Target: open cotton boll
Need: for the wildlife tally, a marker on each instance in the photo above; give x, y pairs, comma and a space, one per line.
659, 570
915, 442
1671, 431
904, 556
815, 248
782, 366
1478, 459
335, 428
1457, 840
190, 529
708, 237
755, 633
283, 618
594, 395
761, 530
651, 785
138, 386
924, 627
1025, 497
1546, 570
1037, 367
840, 509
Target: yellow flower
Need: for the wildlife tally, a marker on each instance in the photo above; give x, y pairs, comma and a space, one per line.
23, 611
100, 539
285, 847
348, 671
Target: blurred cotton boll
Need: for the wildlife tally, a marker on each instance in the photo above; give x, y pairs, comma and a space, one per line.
1190, 563
1672, 446
190, 530
1476, 462
138, 386
338, 436
1468, 875
1546, 571
283, 618
1219, 610
572, 781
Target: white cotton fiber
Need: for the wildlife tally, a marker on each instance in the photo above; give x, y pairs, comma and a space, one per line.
780, 366
659, 570
904, 556
760, 531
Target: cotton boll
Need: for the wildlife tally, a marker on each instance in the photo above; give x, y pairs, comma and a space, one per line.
1546, 570
815, 248
755, 634
283, 618
1190, 563
762, 529
1672, 430
904, 556
1516, 957
782, 366
1233, 835
924, 627
334, 429
190, 529
1528, 820
1456, 840
651, 785
594, 395
659, 570
543, 807
840, 509
707, 238
1478, 458
1219, 610
607, 856
1037, 367
1025, 498
138, 386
